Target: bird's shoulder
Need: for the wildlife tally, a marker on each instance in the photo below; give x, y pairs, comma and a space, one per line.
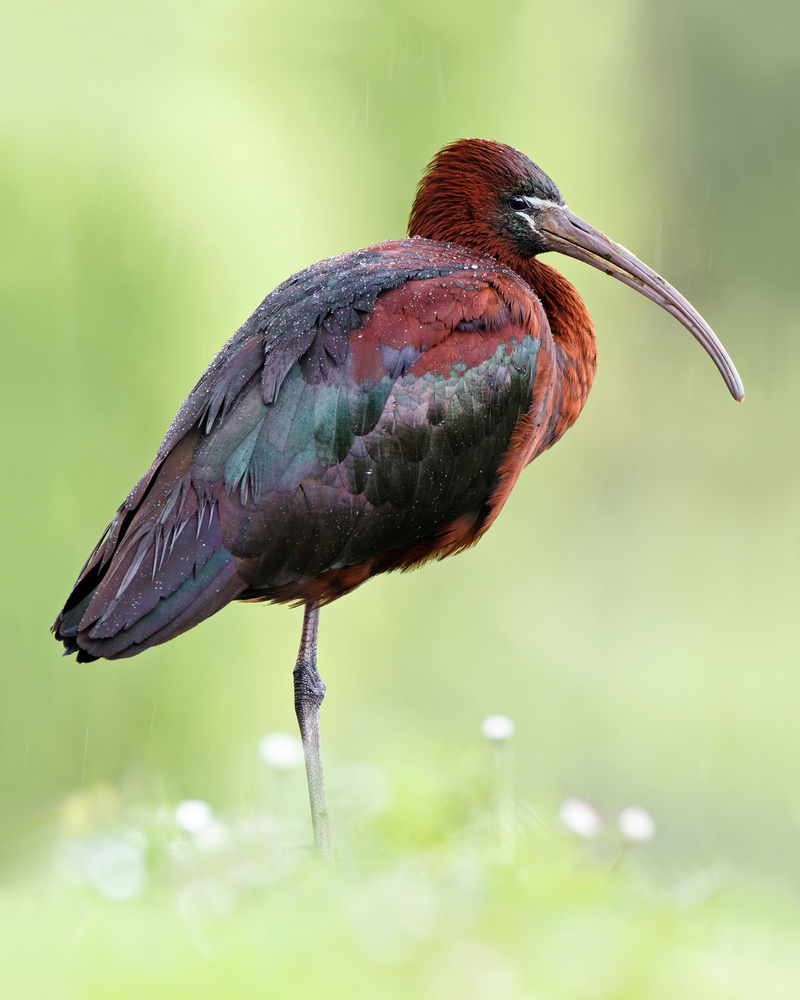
366, 313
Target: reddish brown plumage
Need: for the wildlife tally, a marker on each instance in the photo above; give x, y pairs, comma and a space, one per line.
375, 412
460, 198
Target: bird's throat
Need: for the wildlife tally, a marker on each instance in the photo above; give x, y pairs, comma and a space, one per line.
573, 334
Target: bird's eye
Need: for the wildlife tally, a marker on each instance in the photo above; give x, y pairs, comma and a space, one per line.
518, 203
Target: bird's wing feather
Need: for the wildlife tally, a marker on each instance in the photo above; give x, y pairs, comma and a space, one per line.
366, 404
389, 426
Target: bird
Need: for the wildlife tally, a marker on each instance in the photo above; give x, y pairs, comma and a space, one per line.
373, 413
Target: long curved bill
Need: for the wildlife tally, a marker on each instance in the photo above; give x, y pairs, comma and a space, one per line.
567, 233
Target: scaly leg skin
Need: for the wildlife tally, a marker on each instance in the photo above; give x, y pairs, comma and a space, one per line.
309, 690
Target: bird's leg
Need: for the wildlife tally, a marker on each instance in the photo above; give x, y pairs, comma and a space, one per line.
309, 690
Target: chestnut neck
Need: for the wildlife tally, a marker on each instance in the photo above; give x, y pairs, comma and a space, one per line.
573, 333
569, 319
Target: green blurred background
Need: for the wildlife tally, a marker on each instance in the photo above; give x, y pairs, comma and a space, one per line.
635, 609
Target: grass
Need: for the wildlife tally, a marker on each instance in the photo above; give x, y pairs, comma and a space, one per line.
442, 895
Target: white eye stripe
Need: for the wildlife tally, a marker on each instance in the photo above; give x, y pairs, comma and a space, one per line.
536, 203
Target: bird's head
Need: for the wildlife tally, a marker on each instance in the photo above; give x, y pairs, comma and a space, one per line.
484, 195
490, 197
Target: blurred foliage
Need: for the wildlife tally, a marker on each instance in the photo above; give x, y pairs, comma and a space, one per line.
133, 906
162, 167
726, 130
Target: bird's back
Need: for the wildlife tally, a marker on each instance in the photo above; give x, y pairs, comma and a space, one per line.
366, 417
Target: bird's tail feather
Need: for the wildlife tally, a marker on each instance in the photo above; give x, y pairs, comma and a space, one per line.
159, 570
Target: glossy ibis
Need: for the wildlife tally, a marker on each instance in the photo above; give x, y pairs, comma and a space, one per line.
374, 412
